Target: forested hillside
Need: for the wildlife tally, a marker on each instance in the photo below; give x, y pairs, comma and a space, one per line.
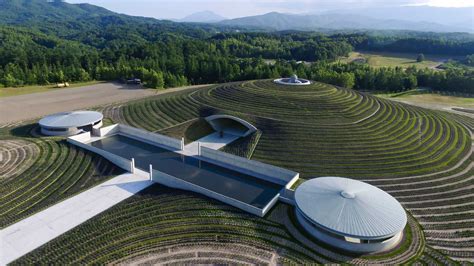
47, 42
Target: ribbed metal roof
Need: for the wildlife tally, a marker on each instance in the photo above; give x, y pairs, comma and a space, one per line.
71, 119
351, 208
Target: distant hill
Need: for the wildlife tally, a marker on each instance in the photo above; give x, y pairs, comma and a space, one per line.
92, 24
341, 21
203, 17
459, 17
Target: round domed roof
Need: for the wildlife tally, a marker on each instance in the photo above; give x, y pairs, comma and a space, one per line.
71, 119
351, 208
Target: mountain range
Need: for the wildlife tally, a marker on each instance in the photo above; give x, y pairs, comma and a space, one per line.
203, 17
57, 16
420, 18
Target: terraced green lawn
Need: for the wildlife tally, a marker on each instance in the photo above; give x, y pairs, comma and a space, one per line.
424, 158
41, 171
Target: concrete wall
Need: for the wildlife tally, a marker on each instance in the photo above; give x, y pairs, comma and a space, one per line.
67, 132
265, 171
99, 125
270, 204
342, 244
153, 138
81, 140
214, 121
110, 130
287, 196
83, 137
268, 172
170, 181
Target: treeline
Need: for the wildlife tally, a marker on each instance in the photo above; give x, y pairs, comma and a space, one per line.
433, 45
289, 46
29, 57
363, 77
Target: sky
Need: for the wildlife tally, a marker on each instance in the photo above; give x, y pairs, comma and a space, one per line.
176, 9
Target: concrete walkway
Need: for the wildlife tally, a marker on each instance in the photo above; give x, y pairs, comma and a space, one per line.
38, 229
212, 141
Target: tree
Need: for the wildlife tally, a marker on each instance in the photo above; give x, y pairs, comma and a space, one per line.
154, 80
469, 60
9, 81
347, 80
410, 82
420, 58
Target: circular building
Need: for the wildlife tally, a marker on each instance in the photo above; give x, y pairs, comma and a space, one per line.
350, 214
293, 80
70, 123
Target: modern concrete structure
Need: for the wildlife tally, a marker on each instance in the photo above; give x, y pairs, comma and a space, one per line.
231, 125
70, 123
249, 185
293, 80
350, 214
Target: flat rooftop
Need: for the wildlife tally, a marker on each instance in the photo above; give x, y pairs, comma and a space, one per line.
240, 186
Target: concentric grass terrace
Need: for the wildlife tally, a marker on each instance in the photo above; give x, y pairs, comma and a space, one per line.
422, 157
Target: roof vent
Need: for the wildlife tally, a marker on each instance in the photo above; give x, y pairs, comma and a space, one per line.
347, 194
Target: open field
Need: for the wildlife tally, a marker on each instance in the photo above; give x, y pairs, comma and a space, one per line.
384, 59
422, 157
435, 101
7, 92
30, 106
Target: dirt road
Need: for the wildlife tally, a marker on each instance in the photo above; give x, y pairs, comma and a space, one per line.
30, 106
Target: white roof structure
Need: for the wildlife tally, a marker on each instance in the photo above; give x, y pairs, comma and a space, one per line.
293, 80
71, 119
350, 208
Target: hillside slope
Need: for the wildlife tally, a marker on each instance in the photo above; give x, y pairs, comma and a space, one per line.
335, 21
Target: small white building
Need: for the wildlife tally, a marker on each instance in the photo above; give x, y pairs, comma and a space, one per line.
350, 214
70, 123
293, 80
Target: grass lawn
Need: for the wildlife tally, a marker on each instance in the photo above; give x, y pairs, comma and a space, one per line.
439, 100
421, 157
404, 60
6, 92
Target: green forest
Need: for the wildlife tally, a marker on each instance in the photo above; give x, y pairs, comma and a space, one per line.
95, 44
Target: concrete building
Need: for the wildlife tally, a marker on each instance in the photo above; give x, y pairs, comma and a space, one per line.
70, 123
231, 125
350, 214
293, 80
245, 184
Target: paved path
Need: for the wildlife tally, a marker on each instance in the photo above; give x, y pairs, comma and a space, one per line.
212, 141
38, 229
31, 106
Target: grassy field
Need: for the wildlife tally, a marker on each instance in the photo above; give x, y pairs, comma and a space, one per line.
6, 92
437, 101
422, 157
404, 60
38, 172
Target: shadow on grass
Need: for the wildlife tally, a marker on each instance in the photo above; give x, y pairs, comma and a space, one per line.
23, 131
